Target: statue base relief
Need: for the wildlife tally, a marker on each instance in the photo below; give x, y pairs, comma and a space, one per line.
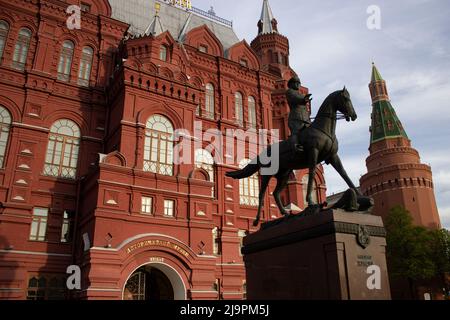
332, 255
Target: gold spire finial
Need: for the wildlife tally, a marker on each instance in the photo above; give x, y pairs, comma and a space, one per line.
157, 8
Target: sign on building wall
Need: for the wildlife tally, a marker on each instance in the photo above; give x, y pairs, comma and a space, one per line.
185, 4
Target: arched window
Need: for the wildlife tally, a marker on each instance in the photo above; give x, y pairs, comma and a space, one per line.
204, 160
21, 49
251, 112
84, 73
5, 125
65, 61
4, 28
158, 149
248, 188
305, 189
209, 101
163, 53
62, 152
239, 108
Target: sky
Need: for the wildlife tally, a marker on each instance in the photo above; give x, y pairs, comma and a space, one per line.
331, 46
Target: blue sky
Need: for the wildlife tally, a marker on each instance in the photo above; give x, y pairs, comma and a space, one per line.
331, 46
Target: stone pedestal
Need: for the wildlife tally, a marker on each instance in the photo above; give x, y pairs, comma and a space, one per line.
324, 256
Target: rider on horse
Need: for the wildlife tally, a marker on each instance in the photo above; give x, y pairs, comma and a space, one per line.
299, 116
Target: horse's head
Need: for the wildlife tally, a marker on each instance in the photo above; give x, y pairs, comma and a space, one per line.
345, 105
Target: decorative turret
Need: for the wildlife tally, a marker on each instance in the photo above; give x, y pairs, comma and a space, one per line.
271, 47
385, 123
267, 23
395, 175
155, 27
377, 86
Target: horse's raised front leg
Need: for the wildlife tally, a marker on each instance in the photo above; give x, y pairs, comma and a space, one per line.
335, 161
313, 155
282, 180
264, 183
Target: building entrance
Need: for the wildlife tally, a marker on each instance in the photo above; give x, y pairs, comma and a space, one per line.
148, 283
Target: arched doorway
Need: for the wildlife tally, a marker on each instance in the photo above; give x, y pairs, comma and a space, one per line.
154, 282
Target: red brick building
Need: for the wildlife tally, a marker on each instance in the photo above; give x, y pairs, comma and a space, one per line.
87, 121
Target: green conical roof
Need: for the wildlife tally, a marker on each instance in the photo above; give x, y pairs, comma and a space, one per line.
385, 123
376, 76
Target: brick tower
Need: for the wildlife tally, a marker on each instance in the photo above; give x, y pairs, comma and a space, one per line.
395, 174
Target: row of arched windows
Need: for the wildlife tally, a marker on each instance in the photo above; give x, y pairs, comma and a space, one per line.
21, 47
239, 107
65, 63
65, 59
61, 159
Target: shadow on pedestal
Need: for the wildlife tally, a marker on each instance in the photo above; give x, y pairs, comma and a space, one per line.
323, 256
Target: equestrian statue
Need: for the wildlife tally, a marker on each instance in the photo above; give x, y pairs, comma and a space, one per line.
310, 144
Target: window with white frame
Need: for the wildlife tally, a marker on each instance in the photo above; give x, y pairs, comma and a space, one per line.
38, 231
158, 148
169, 208
239, 108
147, 205
5, 126
47, 287
62, 151
204, 160
249, 187
251, 112
84, 72
163, 53
241, 234
21, 49
66, 227
243, 62
65, 61
216, 241
4, 28
209, 101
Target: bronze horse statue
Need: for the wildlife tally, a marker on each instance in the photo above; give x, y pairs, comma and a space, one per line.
319, 143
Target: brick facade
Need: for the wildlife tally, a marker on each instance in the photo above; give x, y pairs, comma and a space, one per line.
110, 237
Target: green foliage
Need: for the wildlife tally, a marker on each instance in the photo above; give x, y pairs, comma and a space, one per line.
415, 252
441, 250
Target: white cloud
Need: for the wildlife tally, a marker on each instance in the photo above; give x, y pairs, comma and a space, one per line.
444, 213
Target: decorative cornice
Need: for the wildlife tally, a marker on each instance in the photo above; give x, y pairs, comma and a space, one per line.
320, 231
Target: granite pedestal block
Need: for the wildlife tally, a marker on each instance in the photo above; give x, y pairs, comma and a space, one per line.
324, 256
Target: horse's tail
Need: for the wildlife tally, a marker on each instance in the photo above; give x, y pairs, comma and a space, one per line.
248, 171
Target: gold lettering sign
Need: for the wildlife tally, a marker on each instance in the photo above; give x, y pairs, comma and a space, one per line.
186, 4
157, 243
